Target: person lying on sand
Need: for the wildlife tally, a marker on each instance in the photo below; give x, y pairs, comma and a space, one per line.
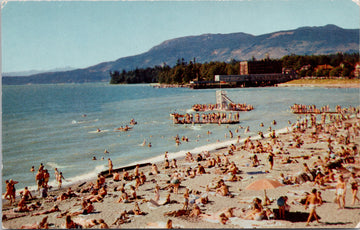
55, 208
22, 207
88, 208
99, 196
123, 218
86, 223
41, 225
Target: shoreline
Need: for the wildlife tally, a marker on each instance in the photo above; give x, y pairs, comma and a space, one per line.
109, 209
325, 83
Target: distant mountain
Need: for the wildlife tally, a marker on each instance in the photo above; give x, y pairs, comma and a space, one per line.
214, 47
33, 72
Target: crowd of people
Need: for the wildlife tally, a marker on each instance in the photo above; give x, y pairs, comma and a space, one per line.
127, 186
229, 107
206, 118
312, 109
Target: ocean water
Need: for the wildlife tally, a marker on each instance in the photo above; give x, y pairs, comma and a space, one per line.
45, 123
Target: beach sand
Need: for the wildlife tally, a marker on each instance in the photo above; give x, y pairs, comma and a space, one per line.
325, 83
109, 209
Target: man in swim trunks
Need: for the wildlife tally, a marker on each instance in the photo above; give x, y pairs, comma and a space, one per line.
312, 201
340, 191
39, 179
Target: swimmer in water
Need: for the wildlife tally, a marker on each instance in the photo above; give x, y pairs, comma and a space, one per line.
98, 130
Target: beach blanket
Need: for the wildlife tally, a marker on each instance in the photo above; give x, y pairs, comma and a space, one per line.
253, 223
247, 223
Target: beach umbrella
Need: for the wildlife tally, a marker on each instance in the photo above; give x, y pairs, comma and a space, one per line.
263, 184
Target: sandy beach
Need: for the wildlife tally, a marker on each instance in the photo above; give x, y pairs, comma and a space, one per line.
288, 159
325, 83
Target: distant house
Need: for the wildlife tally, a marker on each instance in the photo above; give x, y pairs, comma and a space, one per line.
323, 67
306, 67
260, 67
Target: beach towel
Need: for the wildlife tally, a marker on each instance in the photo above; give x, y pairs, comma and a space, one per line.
253, 223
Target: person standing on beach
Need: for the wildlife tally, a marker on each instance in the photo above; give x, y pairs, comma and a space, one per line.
10, 191
281, 202
354, 188
312, 201
56, 173
271, 160
110, 166
59, 179
39, 179
340, 191
46, 177
157, 193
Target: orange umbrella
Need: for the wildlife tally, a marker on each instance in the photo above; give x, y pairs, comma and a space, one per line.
263, 184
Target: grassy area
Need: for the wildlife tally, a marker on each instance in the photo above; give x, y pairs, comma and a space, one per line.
324, 81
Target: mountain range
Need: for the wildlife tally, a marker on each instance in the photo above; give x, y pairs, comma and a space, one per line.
327, 39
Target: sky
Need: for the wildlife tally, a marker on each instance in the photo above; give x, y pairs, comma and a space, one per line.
44, 35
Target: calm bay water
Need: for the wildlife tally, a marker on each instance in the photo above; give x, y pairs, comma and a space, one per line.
44, 123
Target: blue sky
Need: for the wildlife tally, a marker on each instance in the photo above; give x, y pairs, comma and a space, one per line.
43, 35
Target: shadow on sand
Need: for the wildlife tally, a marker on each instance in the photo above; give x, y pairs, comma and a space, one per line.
302, 217
296, 216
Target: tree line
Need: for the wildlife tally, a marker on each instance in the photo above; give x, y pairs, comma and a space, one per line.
338, 65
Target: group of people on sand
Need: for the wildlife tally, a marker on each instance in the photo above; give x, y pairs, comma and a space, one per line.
312, 109
230, 106
206, 118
